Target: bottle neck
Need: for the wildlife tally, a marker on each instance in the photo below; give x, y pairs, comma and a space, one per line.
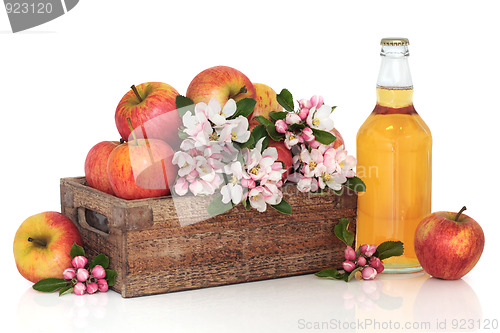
394, 84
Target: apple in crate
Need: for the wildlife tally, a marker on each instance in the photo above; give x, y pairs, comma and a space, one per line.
42, 245
151, 107
266, 102
448, 245
141, 168
96, 165
221, 82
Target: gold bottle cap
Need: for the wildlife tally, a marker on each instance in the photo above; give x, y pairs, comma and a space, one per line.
395, 41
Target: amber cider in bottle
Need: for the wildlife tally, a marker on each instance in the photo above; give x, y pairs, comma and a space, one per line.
394, 147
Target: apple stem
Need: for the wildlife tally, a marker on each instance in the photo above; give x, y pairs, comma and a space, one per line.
38, 242
134, 89
243, 90
129, 122
460, 212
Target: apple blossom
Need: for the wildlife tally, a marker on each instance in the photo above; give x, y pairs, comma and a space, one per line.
307, 135
248, 183
292, 118
361, 261
181, 186
232, 192
376, 263
69, 273
368, 273
79, 289
103, 285
291, 139
217, 115
303, 113
281, 126
348, 266
307, 184
349, 253
98, 272
235, 130
82, 274
79, 262
320, 118
256, 199
92, 287
368, 250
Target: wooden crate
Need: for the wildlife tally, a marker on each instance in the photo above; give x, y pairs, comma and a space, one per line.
153, 253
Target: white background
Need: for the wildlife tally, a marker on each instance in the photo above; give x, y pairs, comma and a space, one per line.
60, 84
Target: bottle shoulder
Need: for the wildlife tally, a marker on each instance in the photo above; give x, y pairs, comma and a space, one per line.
391, 126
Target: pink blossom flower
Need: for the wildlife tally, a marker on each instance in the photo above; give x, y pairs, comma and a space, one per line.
185, 162
307, 184
361, 261
348, 266
307, 135
256, 198
181, 186
69, 273
79, 262
82, 274
349, 253
376, 263
291, 139
103, 285
312, 162
313, 102
292, 118
235, 130
232, 192
217, 115
368, 250
248, 183
369, 273
79, 289
320, 118
281, 126
98, 272
92, 288
303, 113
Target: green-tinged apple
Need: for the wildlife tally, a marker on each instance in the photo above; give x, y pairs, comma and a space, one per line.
96, 165
42, 245
141, 168
221, 82
151, 107
284, 155
266, 102
448, 245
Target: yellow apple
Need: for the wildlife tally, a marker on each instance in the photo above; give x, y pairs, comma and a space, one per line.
266, 102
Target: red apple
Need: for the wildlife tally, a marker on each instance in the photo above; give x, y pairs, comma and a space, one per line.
266, 102
151, 107
448, 245
221, 82
42, 245
96, 165
284, 155
141, 169
339, 141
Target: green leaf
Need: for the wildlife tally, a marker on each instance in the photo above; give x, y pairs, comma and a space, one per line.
330, 273
111, 277
296, 127
76, 250
66, 290
285, 99
246, 204
276, 115
183, 105
355, 184
100, 259
273, 133
263, 120
342, 233
183, 135
283, 207
323, 137
348, 277
259, 132
50, 285
217, 207
244, 107
389, 249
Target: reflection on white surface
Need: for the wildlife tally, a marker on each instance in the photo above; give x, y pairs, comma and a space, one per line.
295, 304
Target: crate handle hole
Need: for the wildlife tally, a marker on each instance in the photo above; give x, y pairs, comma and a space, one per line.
93, 221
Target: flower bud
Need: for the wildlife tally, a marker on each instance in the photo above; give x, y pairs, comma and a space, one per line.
368, 250
369, 273
361, 261
316, 102
79, 262
281, 126
103, 285
303, 113
92, 288
82, 274
348, 266
98, 272
292, 118
349, 253
69, 273
307, 134
79, 289
248, 183
376, 263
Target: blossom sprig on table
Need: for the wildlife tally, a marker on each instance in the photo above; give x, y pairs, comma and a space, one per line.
220, 156
367, 259
318, 163
81, 278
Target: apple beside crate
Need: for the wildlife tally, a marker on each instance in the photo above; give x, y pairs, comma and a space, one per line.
158, 245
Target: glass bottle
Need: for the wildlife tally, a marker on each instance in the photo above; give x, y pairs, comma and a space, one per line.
394, 160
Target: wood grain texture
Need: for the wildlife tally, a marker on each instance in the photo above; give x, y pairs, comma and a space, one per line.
167, 244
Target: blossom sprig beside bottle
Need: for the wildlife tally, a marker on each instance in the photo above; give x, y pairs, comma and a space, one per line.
367, 259
81, 278
319, 163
